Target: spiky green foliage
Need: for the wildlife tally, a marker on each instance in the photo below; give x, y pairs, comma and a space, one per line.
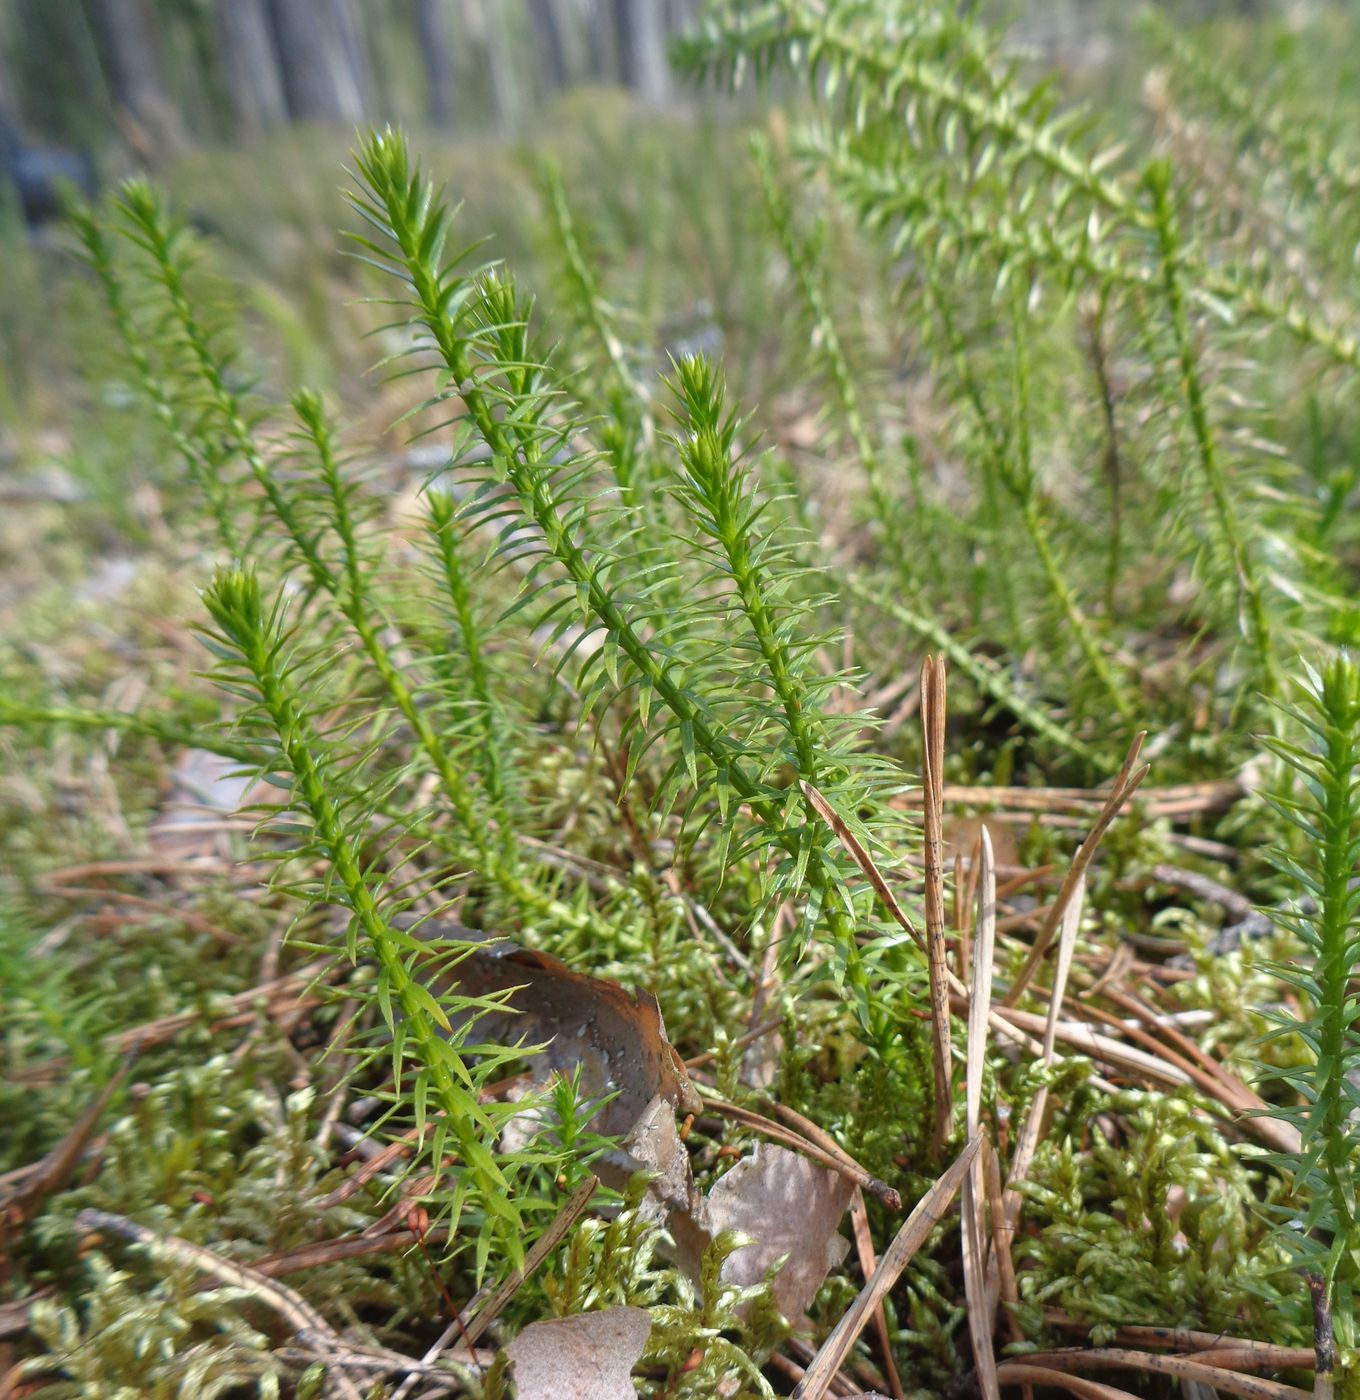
430, 1045
596, 597
1081, 418
1326, 812
1013, 207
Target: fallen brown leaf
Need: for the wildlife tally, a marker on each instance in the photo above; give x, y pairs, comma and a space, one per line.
587, 1357
654, 1146
616, 1038
789, 1207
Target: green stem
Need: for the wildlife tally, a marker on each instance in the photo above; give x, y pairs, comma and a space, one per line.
235, 605
987, 679
1076, 618
202, 466
158, 236
828, 341
997, 117
1240, 560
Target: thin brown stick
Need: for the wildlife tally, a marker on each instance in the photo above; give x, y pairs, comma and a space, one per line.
863, 859
1183, 1368
1259, 1358
1233, 1093
751, 1036
286, 988
933, 712
1002, 1233
191, 920
74, 874
838, 1161
394, 1150
1185, 1339
928, 1213
313, 1256
1125, 785
54, 1170
1023, 1373
814, 1132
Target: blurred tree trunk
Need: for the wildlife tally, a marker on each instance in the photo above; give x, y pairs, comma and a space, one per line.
549, 43
128, 30
349, 24
9, 92
603, 42
250, 69
642, 48
485, 24
317, 77
436, 51
680, 14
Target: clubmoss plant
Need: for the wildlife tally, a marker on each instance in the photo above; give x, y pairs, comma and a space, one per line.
259, 661
730, 746
1325, 1234
1050, 409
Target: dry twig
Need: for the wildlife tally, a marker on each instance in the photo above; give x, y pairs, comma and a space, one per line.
929, 1211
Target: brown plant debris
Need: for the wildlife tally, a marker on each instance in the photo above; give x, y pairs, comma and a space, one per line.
615, 1037
587, 1357
790, 1208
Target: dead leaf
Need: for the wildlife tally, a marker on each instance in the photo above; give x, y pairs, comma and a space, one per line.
615, 1037
654, 1146
587, 1357
788, 1206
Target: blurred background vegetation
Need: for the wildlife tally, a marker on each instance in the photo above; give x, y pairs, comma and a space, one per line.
161, 74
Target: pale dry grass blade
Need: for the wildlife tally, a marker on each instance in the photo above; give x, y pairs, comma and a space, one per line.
1028, 1140
1005, 1026
1217, 1081
980, 998
868, 1263
974, 1203
933, 712
929, 1212
963, 916
1110, 1052
834, 1157
855, 848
